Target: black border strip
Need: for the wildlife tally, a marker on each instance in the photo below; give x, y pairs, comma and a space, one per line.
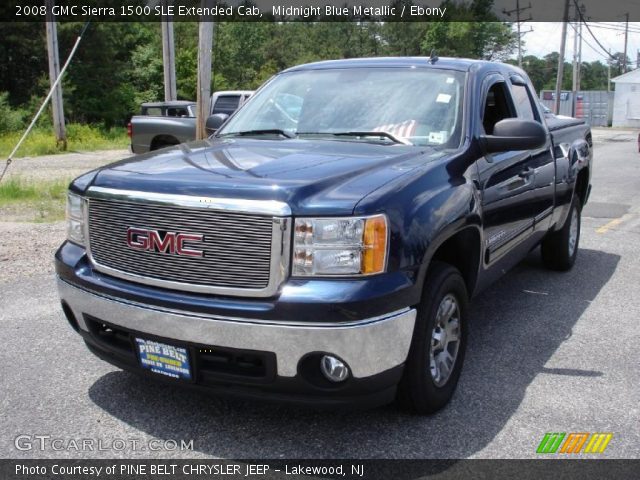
316, 10
582, 469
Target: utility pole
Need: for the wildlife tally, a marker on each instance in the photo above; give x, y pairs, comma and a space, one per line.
54, 72
519, 21
168, 56
563, 44
574, 76
609, 72
626, 40
579, 52
205, 46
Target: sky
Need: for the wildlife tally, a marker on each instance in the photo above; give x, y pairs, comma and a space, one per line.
545, 38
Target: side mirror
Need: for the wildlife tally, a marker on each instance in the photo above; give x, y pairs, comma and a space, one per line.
514, 134
214, 122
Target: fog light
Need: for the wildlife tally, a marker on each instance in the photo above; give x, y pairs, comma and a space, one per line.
335, 370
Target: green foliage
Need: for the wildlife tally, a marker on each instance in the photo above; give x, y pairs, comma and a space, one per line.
38, 201
11, 119
108, 71
79, 137
476, 34
19, 190
543, 73
186, 65
148, 80
23, 58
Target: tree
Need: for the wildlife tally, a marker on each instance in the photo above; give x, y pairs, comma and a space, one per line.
617, 63
23, 60
477, 33
119, 65
593, 76
103, 84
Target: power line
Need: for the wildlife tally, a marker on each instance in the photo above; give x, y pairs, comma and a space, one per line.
597, 52
616, 25
590, 32
626, 42
594, 49
616, 29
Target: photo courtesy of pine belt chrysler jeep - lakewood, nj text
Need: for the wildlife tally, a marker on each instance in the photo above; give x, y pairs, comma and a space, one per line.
323, 245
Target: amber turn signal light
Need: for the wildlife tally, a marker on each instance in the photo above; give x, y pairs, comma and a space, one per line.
374, 254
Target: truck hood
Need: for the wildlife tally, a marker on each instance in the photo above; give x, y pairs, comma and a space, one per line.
311, 176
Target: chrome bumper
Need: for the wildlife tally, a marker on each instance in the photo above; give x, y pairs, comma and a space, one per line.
369, 346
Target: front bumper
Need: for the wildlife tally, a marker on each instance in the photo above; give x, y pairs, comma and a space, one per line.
374, 348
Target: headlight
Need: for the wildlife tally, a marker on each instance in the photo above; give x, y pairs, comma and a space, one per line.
340, 246
75, 218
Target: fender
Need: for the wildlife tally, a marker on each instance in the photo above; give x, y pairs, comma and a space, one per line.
425, 208
571, 160
468, 221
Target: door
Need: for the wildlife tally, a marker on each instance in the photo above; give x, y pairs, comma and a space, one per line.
507, 179
542, 161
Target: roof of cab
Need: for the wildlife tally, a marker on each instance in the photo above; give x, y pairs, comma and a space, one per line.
171, 103
445, 63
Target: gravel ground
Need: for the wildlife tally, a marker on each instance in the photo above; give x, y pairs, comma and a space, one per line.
19, 262
63, 166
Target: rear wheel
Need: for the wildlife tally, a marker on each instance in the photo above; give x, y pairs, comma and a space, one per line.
560, 249
163, 142
439, 341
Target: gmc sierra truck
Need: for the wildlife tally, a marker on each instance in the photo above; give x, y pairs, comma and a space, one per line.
323, 245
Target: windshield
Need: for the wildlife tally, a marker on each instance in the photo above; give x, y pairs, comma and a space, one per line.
388, 105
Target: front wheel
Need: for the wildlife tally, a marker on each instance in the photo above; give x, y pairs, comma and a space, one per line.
560, 249
437, 350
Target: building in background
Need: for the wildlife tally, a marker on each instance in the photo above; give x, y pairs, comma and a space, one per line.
626, 105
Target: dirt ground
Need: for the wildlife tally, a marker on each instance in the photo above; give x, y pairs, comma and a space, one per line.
68, 165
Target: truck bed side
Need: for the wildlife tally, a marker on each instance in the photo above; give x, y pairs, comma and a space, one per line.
151, 133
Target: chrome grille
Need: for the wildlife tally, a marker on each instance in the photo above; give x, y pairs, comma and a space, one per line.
237, 246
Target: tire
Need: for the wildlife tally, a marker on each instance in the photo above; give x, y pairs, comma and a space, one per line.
560, 249
163, 142
159, 146
426, 387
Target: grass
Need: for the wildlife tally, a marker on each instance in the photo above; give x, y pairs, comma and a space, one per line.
36, 201
79, 137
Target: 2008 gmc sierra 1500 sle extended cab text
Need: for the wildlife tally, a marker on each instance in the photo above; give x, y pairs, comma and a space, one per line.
322, 246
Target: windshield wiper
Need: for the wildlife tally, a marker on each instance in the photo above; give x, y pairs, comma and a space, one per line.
266, 131
386, 135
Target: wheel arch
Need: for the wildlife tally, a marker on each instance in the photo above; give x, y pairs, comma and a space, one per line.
460, 248
581, 188
163, 140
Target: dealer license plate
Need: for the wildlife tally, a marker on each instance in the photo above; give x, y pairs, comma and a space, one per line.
164, 359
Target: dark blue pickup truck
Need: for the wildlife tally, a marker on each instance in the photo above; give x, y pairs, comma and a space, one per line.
323, 245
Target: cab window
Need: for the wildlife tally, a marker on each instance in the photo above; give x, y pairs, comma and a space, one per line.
522, 99
497, 107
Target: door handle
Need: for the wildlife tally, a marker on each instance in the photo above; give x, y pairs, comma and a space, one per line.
526, 173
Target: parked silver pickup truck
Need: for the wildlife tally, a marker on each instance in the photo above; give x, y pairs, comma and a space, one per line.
162, 124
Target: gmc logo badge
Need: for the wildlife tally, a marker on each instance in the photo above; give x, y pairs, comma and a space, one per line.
172, 243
